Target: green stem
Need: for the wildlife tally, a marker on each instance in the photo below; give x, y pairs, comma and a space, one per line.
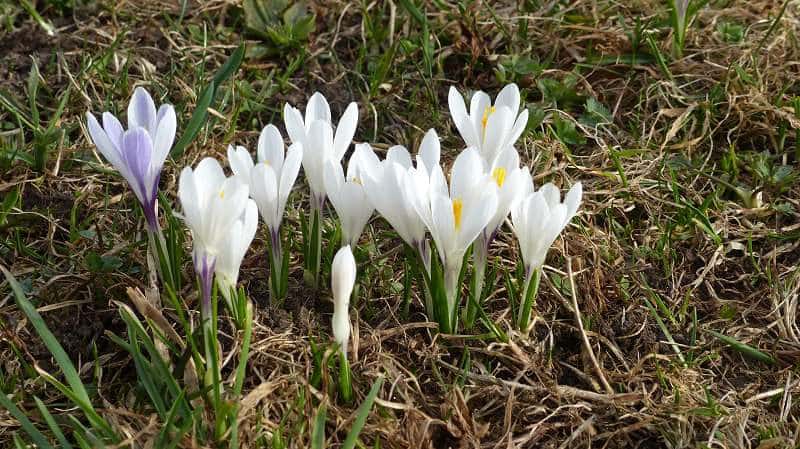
345, 378
529, 293
480, 257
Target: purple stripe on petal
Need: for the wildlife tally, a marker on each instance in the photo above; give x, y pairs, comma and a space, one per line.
137, 151
204, 267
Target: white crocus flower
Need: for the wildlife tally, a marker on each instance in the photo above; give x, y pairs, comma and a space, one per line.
211, 205
237, 241
343, 279
385, 184
487, 127
455, 216
272, 178
539, 218
315, 132
347, 194
510, 180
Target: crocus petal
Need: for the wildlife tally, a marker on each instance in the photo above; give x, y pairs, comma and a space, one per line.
345, 131
141, 110
113, 129
291, 167
264, 189
509, 97
458, 111
318, 109
240, 161
398, 154
519, 127
479, 106
293, 121
498, 127
430, 148
550, 194
271, 147
137, 151
104, 144
164, 134
467, 170
573, 201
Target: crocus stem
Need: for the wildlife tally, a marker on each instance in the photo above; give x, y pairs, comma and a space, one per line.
276, 270
480, 257
424, 257
345, 378
314, 240
529, 292
451, 275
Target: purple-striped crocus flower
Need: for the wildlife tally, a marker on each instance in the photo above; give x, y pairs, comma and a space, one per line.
139, 152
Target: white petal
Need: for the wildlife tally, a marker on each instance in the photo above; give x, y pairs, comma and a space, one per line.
293, 121
164, 134
509, 97
430, 149
318, 109
316, 151
399, 154
442, 227
519, 127
264, 190
479, 105
271, 147
498, 126
291, 167
113, 129
573, 201
475, 216
104, 144
345, 131
467, 170
461, 119
240, 161
551, 194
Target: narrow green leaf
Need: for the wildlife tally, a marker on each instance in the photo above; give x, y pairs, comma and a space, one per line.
26, 424
318, 432
743, 348
55, 348
196, 122
52, 424
361, 416
230, 66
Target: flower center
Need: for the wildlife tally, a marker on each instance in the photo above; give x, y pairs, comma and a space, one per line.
356, 180
499, 175
458, 207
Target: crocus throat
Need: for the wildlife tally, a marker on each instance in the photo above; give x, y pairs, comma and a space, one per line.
458, 207
356, 180
486, 113
499, 175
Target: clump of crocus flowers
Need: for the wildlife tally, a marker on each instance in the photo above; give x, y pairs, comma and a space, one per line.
453, 213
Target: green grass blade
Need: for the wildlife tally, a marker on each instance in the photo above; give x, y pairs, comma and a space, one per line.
361, 416
55, 348
318, 432
38, 438
52, 424
196, 122
743, 348
230, 66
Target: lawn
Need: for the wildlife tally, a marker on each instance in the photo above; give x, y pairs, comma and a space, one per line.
667, 308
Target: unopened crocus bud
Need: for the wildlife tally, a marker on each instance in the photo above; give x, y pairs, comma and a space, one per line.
343, 277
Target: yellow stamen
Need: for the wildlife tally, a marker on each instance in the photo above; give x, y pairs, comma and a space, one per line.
458, 206
499, 175
486, 113
356, 180
222, 194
